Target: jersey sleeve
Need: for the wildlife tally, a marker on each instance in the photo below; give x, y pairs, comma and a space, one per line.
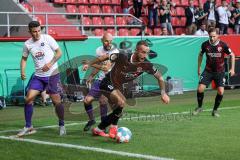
25, 51
203, 48
150, 68
53, 43
227, 50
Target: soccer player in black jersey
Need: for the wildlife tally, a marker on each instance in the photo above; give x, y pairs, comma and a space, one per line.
125, 69
214, 49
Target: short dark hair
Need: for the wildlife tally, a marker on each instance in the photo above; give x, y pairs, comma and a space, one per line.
212, 29
142, 42
33, 24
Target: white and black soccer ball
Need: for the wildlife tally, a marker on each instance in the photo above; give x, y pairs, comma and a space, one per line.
123, 135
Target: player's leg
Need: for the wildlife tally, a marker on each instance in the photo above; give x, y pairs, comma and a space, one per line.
89, 110
218, 78
54, 89
28, 112
103, 105
205, 79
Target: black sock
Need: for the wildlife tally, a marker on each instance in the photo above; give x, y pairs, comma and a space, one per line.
218, 100
200, 97
111, 118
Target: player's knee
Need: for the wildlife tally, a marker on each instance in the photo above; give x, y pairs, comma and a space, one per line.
121, 103
87, 100
28, 100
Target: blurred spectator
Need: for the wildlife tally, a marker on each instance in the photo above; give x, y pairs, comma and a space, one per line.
152, 13
125, 6
202, 30
165, 16
201, 16
190, 12
224, 14
164, 31
210, 8
236, 15
137, 5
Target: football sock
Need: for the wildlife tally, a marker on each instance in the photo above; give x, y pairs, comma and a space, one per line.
200, 97
89, 111
103, 111
218, 100
59, 108
28, 111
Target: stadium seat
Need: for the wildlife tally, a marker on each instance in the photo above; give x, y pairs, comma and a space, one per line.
230, 31
184, 2
95, 9
218, 2
70, 1
71, 8
109, 20
121, 21
179, 31
98, 32
157, 31
123, 32
105, 2
144, 20
183, 21
27, 7
107, 9
117, 9
202, 1
83, 9
97, 21
112, 31
195, 3
94, 1
116, 2
52, 31
175, 21
82, 2
59, 1
180, 11
41, 19
134, 31
87, 21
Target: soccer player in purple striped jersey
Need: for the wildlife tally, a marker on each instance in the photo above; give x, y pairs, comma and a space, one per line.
45, 53
215, 49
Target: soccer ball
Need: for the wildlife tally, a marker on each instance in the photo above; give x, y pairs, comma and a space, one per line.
123, 135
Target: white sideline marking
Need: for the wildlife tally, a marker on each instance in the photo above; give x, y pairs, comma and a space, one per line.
73, 124
80, 147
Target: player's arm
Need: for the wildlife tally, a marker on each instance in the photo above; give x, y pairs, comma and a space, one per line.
165, 98
91, 76
232, 70
200, 57
23, 66
57, 56
96, 63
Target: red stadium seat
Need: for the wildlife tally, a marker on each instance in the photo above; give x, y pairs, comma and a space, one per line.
116, 2
179, 31
180, 11
98, 32
183, 21
52, 31
157, 31
97, 21
112, 31
41, 19
87, 21
94, 1
144, 20
59, 1
117, 9
95, 9
202, 1
185, 2
107, 9
71, 9
123, 32
121, 21
105, 2
71, 1
175, 21
195, 3
134, 31
230, 31
82, 1
83, 9
109, 20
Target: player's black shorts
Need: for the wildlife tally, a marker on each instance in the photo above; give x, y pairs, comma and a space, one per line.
207, 77
106, 85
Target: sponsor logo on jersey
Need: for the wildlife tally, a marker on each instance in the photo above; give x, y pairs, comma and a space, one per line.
214, 54
39, 55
